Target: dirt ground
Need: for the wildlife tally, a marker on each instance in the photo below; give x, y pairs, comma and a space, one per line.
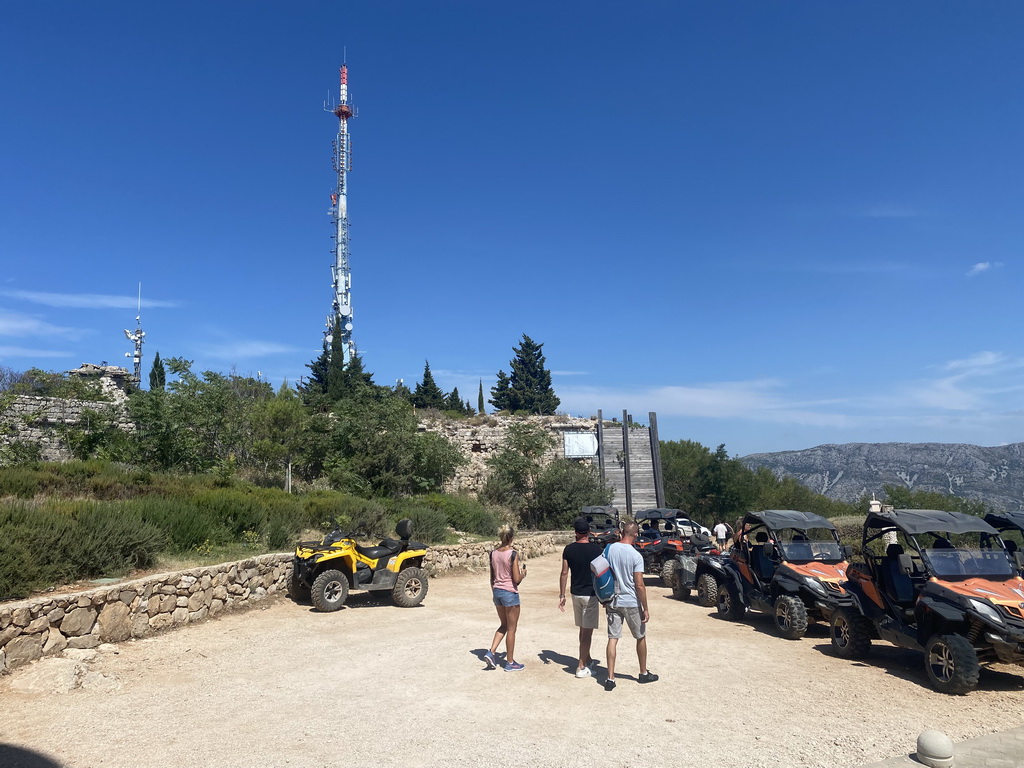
376, 684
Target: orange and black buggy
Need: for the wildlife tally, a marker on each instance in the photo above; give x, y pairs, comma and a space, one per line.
788, 564
938, 582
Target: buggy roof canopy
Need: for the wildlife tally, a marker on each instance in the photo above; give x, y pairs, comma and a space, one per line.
657, 514
612, 511
915, 521
790, 518
1004, 520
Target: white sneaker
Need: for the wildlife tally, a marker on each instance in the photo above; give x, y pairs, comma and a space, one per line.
585, 672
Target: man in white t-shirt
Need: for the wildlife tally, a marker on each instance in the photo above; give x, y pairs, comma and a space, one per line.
721, 534
629, 604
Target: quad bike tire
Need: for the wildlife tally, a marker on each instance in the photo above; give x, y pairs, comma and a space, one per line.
951, 664
668, 570
330, 591
729, 605
851, 634
790, 617
297, 591
679, 592
410, 587
707, 590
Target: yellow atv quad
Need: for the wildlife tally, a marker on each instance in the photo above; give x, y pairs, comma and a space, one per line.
325, 571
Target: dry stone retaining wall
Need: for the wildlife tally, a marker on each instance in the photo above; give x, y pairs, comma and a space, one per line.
47, 625
44, 421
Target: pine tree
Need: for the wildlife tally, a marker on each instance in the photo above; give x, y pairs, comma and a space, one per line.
480, 398
336, 368
501, 394
453, 401
158, 374
528, 388
319, 370
428, 394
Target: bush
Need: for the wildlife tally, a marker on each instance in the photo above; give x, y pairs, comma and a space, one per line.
237, 512
186, 526
464, 513
111, 540
429, 525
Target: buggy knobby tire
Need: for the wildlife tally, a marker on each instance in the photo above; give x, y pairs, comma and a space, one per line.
679, 592
330, 590
851, 634
951, 664
668, 570
297, 591
707, 590
729, 605
790, 617
410, 588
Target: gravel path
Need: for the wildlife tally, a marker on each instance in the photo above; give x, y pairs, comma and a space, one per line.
376, 684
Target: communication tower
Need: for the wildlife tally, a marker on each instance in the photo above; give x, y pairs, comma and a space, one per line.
137, 338
341, 270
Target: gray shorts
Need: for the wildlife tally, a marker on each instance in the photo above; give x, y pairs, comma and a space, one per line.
629, 614
584, 610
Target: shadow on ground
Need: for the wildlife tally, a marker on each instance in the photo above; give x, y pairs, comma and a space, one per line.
19, 757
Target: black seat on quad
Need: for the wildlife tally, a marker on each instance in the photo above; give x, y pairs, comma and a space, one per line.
390, 547
898, 585
763, 565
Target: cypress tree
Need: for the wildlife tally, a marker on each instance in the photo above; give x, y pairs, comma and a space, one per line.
336, 368
480, 398
157, 374
528, 387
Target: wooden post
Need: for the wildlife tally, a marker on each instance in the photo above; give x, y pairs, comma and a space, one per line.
625, 462
600, 445
659, 478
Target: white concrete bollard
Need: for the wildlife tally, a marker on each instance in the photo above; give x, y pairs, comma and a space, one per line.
935, 749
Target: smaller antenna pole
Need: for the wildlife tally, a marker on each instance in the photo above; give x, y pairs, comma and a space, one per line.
137, 338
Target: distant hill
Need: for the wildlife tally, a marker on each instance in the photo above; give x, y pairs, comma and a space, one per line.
846, 472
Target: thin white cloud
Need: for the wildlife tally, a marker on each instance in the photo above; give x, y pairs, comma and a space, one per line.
983, 266
23, 352
232, 351
85, 300
570, 373
19, 324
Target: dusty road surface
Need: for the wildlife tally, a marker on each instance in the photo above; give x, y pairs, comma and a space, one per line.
378, 685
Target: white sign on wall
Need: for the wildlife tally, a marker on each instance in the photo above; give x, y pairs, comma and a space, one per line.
580, 445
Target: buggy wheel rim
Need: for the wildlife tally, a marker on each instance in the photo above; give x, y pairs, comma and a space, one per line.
332, 590
842, 632
940, 660
413, 587
782, 616
725, 600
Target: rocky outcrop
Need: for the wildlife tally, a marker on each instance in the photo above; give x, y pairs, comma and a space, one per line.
847, 472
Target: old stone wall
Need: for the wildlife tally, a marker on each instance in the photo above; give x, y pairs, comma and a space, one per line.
479, 437
49, 624
472, 557
45, 626
44, 421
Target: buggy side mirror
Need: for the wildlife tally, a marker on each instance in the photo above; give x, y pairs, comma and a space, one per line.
906, 564
847, 552
771, 551
1018, 557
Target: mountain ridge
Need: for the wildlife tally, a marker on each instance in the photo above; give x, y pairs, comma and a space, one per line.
847, 471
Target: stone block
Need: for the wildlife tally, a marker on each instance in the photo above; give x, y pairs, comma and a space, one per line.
115, 622
78, 622
140, 625
216, 606
198, 600
182, 601
180, 616
21, 617
23, 649
126, 597
198, 615
55, 642
161, 621
84, 641
7, 634
37, 625
55, 616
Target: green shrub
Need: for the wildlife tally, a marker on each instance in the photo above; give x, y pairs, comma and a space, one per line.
236, 511
21, 481
429, 525
111, 540
185, 525
464, 513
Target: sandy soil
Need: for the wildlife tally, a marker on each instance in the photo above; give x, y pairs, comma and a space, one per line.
285, 686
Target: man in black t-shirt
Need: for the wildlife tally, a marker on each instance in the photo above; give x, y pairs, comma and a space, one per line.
576, 559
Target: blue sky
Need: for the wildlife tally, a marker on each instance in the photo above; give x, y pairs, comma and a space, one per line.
776, 224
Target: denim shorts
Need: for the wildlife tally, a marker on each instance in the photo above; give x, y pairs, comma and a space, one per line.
504, 598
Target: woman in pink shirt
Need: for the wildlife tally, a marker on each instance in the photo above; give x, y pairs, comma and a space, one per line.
507, 571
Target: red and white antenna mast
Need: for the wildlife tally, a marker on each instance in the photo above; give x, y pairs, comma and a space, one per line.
341, 269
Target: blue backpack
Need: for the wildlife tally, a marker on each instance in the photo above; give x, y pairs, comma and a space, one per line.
604, 579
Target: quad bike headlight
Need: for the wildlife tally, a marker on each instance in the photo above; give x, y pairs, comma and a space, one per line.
986, 610
815, 585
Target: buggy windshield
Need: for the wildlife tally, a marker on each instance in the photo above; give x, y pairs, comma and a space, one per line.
805, 551
968, 562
